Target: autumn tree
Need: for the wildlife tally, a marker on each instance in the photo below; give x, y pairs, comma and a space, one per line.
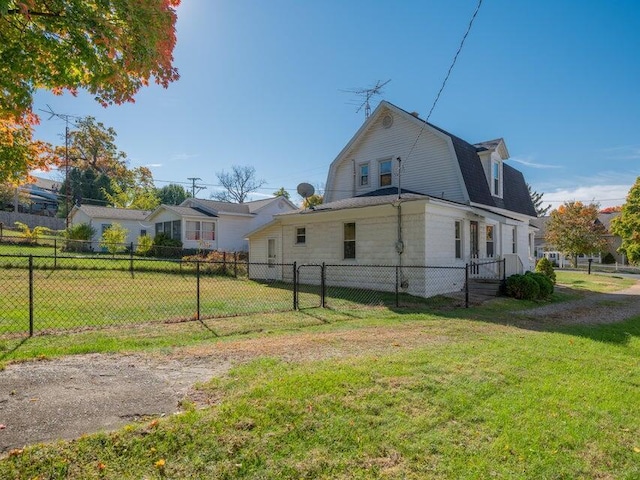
574, 229
536, 199
627, 225
92, 145
110, 49
172, 194
237, 184
312, 200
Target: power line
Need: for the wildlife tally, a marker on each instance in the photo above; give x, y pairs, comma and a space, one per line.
446, 78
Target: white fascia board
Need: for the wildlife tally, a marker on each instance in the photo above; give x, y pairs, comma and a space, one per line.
518, 217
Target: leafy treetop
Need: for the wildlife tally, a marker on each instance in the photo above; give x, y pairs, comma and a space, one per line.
574, 229
627, 225
111, 49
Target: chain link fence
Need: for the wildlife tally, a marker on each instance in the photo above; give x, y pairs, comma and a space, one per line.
49, 294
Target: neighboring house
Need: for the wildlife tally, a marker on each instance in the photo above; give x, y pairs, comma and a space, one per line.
101, 218
198, 224
458, 203
542, 249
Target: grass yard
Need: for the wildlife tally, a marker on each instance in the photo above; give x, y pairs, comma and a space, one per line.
593, 283
448, 397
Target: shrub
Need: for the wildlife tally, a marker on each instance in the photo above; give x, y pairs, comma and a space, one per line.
545, 284
522, 287
78, 237
113, 238
544, 267
608, 259
144, 245
166, 247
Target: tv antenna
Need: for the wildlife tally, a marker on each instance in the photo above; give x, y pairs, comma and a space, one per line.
366, 94
67, 120
195, 188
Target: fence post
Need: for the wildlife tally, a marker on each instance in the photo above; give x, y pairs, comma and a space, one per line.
295, 286
466, 286
322, 286
397, 286
55, 253
224, 263
131, 258
1, 226
31, 295
235, 264
197, 289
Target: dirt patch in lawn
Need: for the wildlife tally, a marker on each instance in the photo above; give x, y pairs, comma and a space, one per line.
68, 397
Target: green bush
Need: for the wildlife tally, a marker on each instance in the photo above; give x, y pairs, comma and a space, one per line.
166, 247
144, 245
545, 284
609, 259
78, 237
544, 267
522, 287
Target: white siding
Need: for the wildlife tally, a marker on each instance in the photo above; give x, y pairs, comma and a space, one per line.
133, 227
431, 169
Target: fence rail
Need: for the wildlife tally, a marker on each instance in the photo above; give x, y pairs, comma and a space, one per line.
48, 294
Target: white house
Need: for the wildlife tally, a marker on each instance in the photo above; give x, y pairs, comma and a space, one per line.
405, 192
101, 218
212, 225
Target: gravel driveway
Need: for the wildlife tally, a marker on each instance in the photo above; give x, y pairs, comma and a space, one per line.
64, 398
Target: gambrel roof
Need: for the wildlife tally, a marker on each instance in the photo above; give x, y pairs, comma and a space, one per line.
515, 194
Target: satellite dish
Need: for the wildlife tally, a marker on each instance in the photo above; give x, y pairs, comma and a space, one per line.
305, 190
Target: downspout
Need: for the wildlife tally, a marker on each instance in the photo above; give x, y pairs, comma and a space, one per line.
400, 241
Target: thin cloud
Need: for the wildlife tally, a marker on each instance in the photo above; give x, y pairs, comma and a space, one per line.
153, 165
623, 152
529, 163
605, 195
181, 157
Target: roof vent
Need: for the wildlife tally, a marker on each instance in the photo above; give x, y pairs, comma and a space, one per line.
415, 114
387, 121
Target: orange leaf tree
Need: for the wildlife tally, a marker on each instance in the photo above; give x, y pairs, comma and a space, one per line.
111, 49
574, 229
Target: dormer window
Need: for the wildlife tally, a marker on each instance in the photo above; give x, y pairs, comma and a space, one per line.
385, 173
496, 178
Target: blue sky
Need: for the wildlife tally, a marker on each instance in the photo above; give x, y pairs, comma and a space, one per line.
262, 84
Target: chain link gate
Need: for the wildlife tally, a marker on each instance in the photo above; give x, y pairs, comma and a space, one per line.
309, 287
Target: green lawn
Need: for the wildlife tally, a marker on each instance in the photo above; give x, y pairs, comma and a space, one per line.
460, 394
593, 283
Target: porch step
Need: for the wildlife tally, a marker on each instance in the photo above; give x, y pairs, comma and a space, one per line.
484, 287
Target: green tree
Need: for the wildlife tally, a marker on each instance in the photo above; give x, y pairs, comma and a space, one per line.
113, 238
172, 194
135, 191
111, 49
536, 199
627, 225
574, 229
281, 192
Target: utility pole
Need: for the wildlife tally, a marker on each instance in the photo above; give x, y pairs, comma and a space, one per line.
67, 119
194, 186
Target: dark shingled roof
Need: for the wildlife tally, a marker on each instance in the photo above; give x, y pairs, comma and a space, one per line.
386, 191
516, 196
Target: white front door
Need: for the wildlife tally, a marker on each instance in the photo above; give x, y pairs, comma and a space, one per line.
272, 259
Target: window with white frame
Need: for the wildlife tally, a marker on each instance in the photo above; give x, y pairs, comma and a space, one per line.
490, 241
197, 230
385, 170
458, 239
364, 174
349, 240
172, 229
301, 235
495, 178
